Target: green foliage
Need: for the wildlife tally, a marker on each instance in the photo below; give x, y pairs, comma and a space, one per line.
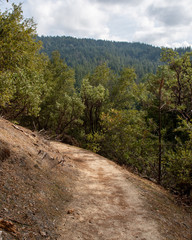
21, 66
84, 55
129, 140
93, 99
62, 107
7, 88
94, 141
179, 168
179, 69
101, 75
169, 105
124, 92
179, 162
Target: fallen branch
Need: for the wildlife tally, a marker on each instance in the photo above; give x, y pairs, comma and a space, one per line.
9, 227
15, 221
17, 128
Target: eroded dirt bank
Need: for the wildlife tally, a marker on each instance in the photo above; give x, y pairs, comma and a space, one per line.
109, 203
34, 186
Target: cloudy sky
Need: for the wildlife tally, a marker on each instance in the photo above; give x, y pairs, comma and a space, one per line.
156, 22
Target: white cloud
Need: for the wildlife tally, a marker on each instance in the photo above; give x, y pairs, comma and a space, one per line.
169, 23
79, 18
160, 22
170, 15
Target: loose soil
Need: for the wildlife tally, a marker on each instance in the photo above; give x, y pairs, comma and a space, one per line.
34, 187
54, 191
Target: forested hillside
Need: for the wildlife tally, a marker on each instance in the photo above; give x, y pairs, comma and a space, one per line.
144, 125
85, 54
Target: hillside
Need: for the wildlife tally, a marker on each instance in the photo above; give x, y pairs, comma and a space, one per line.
85, 54
50, 190
34, 189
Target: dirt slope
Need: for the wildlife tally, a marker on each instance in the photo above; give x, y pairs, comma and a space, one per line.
50, 190
34, 187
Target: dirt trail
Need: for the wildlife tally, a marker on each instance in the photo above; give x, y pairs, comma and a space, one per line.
54, 191
107, 205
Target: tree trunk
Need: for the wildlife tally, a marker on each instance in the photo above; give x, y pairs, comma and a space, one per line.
160, 147
159, 133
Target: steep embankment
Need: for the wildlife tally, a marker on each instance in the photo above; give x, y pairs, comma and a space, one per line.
34, 189
51, 190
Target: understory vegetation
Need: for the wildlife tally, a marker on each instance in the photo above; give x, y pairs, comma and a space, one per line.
146, 126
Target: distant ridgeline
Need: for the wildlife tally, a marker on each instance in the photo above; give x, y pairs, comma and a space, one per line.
85, 54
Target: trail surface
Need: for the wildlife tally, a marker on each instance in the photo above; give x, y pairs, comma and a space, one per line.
53, 191
110, 203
